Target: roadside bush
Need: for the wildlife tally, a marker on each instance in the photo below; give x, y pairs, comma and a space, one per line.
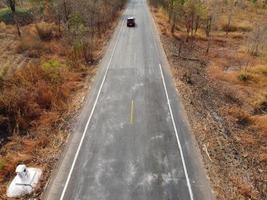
54, 71
235, 28
261, 105
244, 76
24, 16
45, 31
241, 117
32, 46
32, 91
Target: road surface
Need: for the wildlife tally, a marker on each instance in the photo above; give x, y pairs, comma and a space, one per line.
132, 141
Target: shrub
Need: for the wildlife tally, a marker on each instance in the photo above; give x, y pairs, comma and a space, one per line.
187, 78
32, 46
32, 91
54, 71
261, 106
243, 76
45, 31
24, 16
241, 117
235, 28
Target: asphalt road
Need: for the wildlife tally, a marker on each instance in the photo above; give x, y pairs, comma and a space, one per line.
132, 139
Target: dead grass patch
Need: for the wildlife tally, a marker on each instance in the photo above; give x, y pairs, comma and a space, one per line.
245, 188
241, 117
260, 122
47, 31
33, 100
247, 139
32, 46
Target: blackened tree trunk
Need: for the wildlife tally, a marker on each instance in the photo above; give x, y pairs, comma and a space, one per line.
12, 5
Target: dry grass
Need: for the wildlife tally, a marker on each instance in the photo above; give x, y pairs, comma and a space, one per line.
33, 101
240, 116
233, 85
33, 90
260, 122
244, 187
2, 26
41, 39
46, 31
33, 46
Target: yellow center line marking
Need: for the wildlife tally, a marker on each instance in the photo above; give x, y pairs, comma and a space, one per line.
132, 113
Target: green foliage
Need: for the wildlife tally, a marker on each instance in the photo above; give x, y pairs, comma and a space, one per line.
195, 12
77, 26
52, 69
2, 164
24, 16
78, 32
196, 8
51, 65
244, 76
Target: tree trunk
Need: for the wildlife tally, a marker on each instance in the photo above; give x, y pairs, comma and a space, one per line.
12, 5
17, 23
171, 10
208, 47
46, 10
173, 24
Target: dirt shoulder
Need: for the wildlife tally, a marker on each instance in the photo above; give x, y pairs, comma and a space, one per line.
221, 111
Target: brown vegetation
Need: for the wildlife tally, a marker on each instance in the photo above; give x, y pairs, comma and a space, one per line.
220, 71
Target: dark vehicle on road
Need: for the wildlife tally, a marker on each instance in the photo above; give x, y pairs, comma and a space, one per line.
131, 22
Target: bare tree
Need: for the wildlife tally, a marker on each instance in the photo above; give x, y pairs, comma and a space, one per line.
231, 4
257, 39
85, 21
12, 5
194, 12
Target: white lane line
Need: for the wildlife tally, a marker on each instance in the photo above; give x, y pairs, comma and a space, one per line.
177, 136
90, 116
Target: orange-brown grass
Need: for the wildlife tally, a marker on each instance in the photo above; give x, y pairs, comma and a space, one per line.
33, 100
245, 188
263, 156
247, 139
32, 45
41, 39
218, 73
162, 20
260, 122
29, 92
239, 115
